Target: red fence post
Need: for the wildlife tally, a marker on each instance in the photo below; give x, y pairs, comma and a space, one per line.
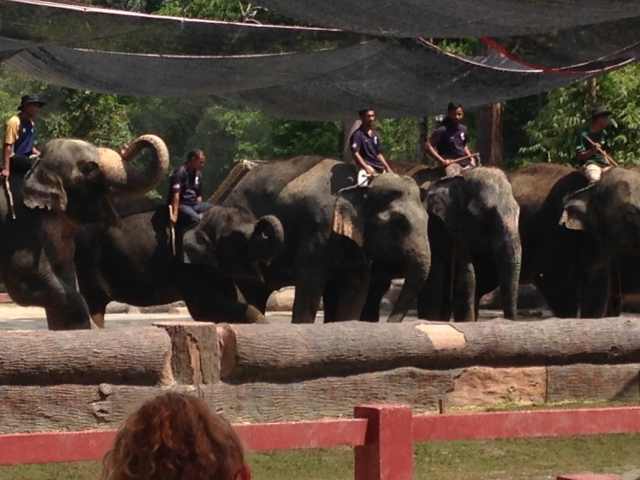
388, 450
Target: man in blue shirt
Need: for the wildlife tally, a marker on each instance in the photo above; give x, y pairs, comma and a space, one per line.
448, 144
366, 149
20, 132
186, 190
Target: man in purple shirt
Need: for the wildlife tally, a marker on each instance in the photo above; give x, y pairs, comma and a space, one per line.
186, 190
366, 149
448, 144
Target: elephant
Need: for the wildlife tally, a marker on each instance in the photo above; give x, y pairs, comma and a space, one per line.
577, 239
333, 229
72, 184
475, 244
135, 264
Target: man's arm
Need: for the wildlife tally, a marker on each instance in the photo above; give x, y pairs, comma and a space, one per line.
431, 146
468, 153
384, 163
12, 133
583, 153
175, 203
6, 159
35, 151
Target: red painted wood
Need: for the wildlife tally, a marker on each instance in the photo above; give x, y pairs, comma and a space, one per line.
540, 423
5, 298
54, 447
92, 445
298, 435
587, 476
388, 453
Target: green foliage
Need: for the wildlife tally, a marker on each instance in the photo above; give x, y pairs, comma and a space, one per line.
399, 138
552, 134
99, 119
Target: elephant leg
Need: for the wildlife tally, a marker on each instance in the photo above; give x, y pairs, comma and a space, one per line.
254, 293
330, 301
351, 294
464, 289
371, 309
311, 274
65, 308
615, 302
595, 294
434, 300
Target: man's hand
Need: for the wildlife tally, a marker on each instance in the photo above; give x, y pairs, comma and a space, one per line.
370, 171
5, 172
173, 217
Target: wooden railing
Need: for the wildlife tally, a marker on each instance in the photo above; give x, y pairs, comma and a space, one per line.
382, 436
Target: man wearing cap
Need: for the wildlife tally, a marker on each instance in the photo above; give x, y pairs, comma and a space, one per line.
20, 132
366, 149
591, 161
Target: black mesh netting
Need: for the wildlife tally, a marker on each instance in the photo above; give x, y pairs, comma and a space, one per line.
398, 81
325, 74
93, 28
608, 40
454, 18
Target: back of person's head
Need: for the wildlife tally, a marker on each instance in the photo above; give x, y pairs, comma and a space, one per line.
175, 437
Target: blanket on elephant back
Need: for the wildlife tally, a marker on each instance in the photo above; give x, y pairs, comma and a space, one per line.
235, 175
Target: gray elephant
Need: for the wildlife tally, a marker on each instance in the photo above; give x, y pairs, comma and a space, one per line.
332, 232
135, 264
475, 244
580, 243
73, 183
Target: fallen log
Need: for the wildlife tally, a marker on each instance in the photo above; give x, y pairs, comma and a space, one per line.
129, 356
295, 352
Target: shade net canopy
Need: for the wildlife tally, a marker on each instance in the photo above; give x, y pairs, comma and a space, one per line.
330, 84
606, 41
454, 18
83, 26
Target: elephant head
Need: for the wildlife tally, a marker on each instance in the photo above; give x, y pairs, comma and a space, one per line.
479, 211
609, 211
232, 241
388, 221
80, 179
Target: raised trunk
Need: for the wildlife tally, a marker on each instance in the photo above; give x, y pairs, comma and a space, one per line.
416, 276
128, 179
508, 256
267, 239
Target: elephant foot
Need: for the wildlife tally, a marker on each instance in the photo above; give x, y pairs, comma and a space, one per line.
97, 320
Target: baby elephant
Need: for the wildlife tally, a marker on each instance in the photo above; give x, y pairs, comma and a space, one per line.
135, 264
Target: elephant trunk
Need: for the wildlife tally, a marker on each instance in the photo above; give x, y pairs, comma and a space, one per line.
418, 262
267, 239
128, 179
508, 256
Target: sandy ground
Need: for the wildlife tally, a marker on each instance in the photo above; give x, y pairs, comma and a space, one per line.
14, 317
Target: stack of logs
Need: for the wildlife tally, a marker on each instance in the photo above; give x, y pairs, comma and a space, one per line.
255, 373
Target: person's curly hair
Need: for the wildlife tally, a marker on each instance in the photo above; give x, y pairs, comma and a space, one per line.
174, 437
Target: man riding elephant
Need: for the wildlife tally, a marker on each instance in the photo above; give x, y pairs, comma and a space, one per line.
72, 184
591, 147
448, 144
332, 232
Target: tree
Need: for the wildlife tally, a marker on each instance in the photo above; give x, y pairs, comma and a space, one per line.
552, 134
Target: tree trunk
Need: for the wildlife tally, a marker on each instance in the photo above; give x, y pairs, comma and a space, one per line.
131, 356
489, 125
423, 135
291, 352
346, 130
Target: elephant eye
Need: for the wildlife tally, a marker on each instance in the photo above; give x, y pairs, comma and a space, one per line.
90, 169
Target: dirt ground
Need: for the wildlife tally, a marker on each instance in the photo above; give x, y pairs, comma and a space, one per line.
14, 317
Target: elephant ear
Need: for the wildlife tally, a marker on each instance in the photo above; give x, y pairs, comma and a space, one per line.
197, 248
43, 189
575, 215
445, 200
349, 214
